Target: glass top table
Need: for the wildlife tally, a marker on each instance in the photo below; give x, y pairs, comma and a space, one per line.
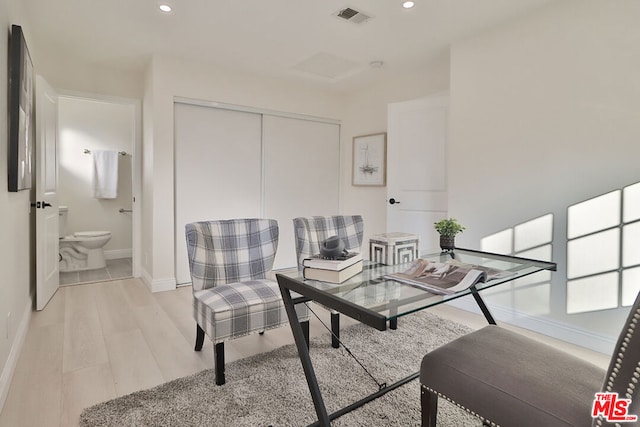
371, 299
377, 302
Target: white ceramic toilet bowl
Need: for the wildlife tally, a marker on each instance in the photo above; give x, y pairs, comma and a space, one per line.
83, 250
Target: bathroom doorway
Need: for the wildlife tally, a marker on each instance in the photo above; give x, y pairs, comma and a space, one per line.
91, 127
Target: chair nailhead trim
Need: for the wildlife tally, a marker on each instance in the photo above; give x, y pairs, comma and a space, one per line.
483, 419
631, 385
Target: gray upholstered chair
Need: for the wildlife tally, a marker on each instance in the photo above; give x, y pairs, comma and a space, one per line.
310, 232
230, 261
507, 379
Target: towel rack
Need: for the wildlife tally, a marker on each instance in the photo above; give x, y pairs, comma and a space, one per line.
122, 153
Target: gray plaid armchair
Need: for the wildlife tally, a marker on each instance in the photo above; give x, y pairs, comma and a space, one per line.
229, 261
310, 232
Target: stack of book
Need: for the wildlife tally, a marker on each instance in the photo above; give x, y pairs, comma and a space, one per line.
332, 270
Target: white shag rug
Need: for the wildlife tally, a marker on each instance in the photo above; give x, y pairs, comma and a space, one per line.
270, 389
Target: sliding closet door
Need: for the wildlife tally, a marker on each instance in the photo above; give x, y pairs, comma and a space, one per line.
301, 175
218, 170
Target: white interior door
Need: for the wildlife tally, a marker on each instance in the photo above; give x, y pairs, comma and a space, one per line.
417, 168
46, 206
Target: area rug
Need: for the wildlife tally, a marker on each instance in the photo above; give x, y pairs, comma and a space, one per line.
270, 389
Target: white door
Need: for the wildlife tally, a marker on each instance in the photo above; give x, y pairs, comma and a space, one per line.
417, 168
46, 206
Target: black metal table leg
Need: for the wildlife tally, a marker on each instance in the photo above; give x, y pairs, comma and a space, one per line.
476, 296
393, 311
373, 396
483, 306
335, 330
393, 324
305, 358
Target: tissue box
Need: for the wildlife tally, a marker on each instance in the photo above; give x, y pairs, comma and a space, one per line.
393, 248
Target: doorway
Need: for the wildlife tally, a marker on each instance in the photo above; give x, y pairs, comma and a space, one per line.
88, 125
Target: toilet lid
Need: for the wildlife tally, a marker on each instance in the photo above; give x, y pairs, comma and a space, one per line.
90, 233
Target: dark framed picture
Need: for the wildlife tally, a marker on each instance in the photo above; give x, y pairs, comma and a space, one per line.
21, 101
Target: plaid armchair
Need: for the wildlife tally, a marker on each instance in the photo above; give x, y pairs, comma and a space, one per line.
310, 232
229, 261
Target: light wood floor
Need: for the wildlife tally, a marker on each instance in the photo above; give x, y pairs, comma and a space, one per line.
98, 341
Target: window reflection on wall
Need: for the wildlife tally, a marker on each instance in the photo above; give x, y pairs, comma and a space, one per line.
603, 251
531, 239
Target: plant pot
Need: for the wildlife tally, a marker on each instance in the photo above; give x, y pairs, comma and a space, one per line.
447, 243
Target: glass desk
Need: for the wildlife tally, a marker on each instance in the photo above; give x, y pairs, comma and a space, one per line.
378, 302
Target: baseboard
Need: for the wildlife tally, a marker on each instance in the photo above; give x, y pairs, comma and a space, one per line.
14, 353
118, 253
146, 277
562, 331
158, 285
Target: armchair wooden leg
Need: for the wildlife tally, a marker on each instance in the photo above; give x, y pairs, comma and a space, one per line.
335, 330
218, 356
305, 331
429, 407
199, 338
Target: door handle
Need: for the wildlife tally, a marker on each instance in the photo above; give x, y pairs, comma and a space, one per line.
393, 201
39, 205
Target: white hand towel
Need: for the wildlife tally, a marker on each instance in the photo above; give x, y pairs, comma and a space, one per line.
105, 174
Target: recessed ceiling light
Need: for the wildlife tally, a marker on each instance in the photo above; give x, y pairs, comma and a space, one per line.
408, 4
165, 8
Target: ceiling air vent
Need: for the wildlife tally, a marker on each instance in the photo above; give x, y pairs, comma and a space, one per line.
352, 15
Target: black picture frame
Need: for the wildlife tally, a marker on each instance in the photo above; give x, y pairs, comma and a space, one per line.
21, 102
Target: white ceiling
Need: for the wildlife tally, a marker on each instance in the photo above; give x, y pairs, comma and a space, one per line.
300, 39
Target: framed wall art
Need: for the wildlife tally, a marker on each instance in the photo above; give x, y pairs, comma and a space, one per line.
370, 160
21, 101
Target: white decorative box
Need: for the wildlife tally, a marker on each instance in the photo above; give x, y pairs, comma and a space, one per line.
393, 248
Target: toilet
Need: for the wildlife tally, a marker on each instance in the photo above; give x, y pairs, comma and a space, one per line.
82, 250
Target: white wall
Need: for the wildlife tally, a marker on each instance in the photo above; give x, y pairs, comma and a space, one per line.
96, 125
64, 72
545, 112
16, 254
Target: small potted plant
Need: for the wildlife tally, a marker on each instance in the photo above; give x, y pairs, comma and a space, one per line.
448, 228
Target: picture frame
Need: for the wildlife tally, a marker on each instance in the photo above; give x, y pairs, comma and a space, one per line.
370, 160
21, 104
